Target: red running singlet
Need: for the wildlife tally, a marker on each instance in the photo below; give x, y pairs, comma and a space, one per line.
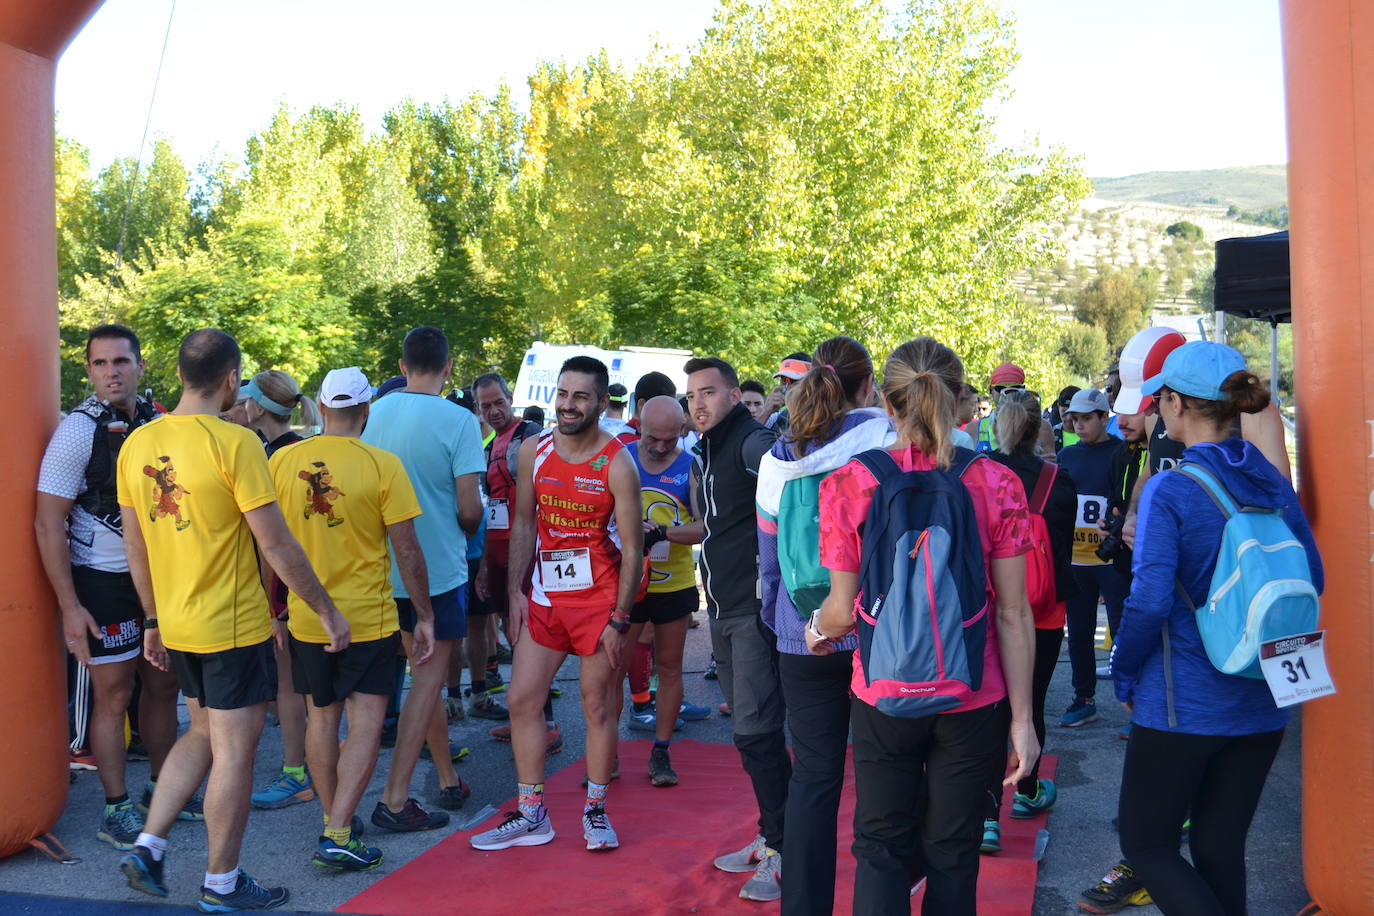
577, 548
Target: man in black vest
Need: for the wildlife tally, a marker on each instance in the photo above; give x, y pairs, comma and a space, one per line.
82, 546
732, 444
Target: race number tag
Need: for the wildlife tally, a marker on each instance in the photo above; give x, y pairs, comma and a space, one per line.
1086, 536
498, 515
1295, 668
1091, 510
659, 552
565, 570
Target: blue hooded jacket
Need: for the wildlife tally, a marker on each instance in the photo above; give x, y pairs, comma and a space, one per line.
1178, 534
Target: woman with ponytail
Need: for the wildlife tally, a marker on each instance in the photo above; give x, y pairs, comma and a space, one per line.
1051, 495
830, 424
922, 782
270, 400
1208, 760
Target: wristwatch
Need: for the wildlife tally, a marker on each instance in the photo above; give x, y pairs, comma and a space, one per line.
620, 624
150, 623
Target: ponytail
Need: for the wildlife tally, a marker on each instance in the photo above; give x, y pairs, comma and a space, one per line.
820, 399
1244, 393
1018, 422
282, 390
922, 380
310, 414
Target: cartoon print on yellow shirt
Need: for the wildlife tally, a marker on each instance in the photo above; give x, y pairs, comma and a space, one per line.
166, 491
322, 493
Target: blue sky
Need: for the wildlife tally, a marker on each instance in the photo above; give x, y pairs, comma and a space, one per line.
1164, 85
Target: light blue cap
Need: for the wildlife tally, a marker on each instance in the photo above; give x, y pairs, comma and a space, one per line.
1197, 369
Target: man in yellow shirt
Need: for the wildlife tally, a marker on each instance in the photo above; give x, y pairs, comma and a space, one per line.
194, 493
342, 499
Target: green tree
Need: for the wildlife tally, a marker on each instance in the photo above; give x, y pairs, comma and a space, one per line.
1085, 349
1189, 232
1117, 302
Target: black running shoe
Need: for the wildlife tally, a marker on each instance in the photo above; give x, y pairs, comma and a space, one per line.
661, 771
409, 819
452, 798
143, 872
247, 894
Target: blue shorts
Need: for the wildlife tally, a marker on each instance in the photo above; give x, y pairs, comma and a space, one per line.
450, 613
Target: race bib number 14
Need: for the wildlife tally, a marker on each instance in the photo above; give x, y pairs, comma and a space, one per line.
565, 570
1295, 668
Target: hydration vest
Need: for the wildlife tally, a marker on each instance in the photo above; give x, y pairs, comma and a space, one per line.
111, 429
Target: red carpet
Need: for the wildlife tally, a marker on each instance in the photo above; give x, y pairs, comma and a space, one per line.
668, 837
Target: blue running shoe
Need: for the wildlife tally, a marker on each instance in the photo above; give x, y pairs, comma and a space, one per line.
1028, 806
120, 825
1080, 712
992, 838
193, 810
143, 872
350, 856
693, 713
284, 791
647, 721
247, 894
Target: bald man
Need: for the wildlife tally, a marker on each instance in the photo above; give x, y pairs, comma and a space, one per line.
669, 492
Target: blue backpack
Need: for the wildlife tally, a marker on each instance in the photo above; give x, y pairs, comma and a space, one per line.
1262, 588
923, 613
799, 548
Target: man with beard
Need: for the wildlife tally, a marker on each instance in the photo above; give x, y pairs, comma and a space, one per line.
577, 513
195, 493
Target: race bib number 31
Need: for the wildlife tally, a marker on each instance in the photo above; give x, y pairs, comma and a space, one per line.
565, 570
1295, 668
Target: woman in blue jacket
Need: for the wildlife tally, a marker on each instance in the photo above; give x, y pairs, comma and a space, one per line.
1211, 760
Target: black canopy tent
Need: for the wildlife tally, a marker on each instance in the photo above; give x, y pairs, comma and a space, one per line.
1252, 280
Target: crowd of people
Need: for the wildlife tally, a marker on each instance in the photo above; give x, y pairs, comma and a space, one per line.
889, 564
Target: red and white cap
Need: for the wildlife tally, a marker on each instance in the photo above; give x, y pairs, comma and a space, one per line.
1141, 360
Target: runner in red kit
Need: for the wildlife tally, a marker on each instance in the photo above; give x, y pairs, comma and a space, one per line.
577, 515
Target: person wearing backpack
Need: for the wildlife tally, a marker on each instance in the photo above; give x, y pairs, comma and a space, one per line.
925, 545
1053, 503
1203, 741
829, 425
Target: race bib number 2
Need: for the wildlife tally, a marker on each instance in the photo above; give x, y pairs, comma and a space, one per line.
498, 515
565, 570
1295, 668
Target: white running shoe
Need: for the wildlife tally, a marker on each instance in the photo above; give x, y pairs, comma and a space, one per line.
746, 860
515, 830
597, 829
767, 881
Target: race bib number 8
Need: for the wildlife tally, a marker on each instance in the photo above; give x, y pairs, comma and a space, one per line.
1295, 668
1086, 535
565, 570
498, 515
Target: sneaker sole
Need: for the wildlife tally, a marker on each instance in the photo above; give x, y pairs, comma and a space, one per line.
762, 896
105, 837
181, 815
300, 798
230, 908
735, 869
1028, 815
663, 782
402, 828
1100, 910
1079, 723
539, 840
602, 847
140, 880
341, 866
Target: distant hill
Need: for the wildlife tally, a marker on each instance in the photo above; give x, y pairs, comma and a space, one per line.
1247, 187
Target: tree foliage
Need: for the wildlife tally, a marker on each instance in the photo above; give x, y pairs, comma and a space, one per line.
1118, 302
1085, 349
809, 168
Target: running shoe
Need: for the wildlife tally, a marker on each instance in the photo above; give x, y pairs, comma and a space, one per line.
555, 693
1080, 712
410, 819
453, 709
193, 810
351, 856
82, 759
726, 710
647, 721
710, 673
143, 872
1118, 889
766, 884
515, 830
120, 825
455, 753
615, 772
1105, 672
503, 654
452, 797
597, 830
492, 681
284, 791
485, 707
746, 860
1028, 806
136, 749
247, 894
691, 713
661, 771
554, 737
1124, 732
388, 739
992, 838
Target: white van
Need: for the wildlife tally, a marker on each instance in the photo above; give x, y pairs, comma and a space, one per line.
538, 379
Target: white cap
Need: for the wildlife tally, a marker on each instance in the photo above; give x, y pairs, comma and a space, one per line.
1141, 360
345, 388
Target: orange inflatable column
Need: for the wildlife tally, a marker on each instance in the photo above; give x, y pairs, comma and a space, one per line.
33, 774
1329, 58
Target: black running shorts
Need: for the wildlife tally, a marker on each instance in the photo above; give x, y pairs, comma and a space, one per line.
665, 607
232, 679
328, 677
111, 599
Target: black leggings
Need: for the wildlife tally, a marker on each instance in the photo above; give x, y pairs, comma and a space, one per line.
1047, 643
1215, 780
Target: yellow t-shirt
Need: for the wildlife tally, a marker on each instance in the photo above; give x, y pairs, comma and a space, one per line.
339, 495
190, 479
